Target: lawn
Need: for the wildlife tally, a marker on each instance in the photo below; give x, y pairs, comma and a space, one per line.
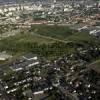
27, 38
63, 33
33, 40
54, 31
79, 37
22, 42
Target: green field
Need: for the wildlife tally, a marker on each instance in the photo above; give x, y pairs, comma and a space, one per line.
22, 42
46, 41
82, 38
62, 32
28, 38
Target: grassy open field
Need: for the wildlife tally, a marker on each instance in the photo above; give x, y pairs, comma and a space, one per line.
82, 37
28, 38
62, 33
35, 38
21, 39
21, 43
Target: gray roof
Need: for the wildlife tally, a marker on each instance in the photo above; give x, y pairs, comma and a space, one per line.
29, 55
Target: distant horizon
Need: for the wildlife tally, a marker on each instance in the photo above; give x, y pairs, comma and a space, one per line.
22, 0
32, 0
19, 1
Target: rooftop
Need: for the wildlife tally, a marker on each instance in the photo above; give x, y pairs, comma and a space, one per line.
4, 56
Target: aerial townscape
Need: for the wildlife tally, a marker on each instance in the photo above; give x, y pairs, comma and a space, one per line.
49, 49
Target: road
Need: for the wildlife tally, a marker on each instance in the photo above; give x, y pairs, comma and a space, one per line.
14, 32
51, 38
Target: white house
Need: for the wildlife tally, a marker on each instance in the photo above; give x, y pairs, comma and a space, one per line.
4, 56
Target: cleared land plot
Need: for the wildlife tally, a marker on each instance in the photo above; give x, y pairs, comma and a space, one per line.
63, 33
30, 40
23, 42
60, 32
